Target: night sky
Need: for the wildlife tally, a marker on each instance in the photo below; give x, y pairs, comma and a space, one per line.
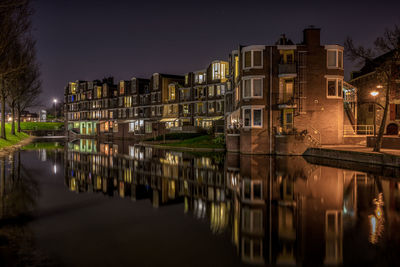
89, 40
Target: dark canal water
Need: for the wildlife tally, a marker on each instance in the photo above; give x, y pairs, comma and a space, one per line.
119, 204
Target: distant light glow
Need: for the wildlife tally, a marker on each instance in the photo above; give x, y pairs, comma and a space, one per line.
54, 101
55, 169
374, 93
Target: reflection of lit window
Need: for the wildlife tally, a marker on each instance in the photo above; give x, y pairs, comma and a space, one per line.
252, 220
252, 190
252, 250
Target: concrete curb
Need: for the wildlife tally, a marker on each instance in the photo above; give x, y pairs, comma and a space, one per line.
355, 156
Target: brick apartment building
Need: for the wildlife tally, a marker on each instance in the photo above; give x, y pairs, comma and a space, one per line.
263, 95
366, 80
284, 89
140, 108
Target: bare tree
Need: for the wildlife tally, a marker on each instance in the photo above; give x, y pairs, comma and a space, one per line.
388, 47
21, 82
14, 26
29, 89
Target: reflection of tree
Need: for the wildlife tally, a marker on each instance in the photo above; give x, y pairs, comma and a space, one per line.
18, 190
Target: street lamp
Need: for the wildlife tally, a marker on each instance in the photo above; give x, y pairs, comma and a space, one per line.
55, 108
375, 94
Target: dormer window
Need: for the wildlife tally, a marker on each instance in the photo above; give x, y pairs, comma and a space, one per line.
334, 56
252, 58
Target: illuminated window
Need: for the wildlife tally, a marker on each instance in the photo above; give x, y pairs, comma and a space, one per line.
236, 66
121, 87
211, 90
211, 108
73, 87
185, 109
287, 56
171, 92
200, 77
199, 107
286, 90
334, 87
252, 87
148, 127
219, 70
98, 91
187, 79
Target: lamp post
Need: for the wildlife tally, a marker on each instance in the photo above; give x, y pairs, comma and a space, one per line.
374, 94
55, 108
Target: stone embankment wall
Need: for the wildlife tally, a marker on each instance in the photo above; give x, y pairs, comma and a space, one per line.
371, 158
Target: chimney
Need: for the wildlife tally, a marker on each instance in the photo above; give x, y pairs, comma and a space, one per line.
311, 36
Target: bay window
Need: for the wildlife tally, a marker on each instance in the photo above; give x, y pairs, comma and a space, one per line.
253, 87
253, 58
334, 56
252, 117
219, 70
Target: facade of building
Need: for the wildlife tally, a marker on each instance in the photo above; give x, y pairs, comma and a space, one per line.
366, 81
148, 107
262, 96
286, 89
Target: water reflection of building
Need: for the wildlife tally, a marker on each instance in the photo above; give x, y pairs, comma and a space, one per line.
279, 210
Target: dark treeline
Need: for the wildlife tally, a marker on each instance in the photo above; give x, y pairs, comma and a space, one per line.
19, 72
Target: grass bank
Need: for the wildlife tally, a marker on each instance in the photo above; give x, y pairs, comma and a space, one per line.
204, 141
12, 139
37, 126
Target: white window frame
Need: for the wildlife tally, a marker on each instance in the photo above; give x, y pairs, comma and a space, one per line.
253, 49
336, 49
336, 79
252, 108
252, 78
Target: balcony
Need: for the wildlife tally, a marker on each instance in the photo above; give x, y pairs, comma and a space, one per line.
287, 70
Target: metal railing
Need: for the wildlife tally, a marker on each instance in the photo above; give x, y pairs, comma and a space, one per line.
358, 130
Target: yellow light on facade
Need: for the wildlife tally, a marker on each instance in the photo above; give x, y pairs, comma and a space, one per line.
379, 86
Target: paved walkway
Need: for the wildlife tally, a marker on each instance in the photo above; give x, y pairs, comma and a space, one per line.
364, 149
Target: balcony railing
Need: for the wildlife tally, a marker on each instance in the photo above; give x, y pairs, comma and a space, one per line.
287, 69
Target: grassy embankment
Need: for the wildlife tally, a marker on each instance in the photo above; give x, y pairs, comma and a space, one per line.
41, 126
14, 139
193, 141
